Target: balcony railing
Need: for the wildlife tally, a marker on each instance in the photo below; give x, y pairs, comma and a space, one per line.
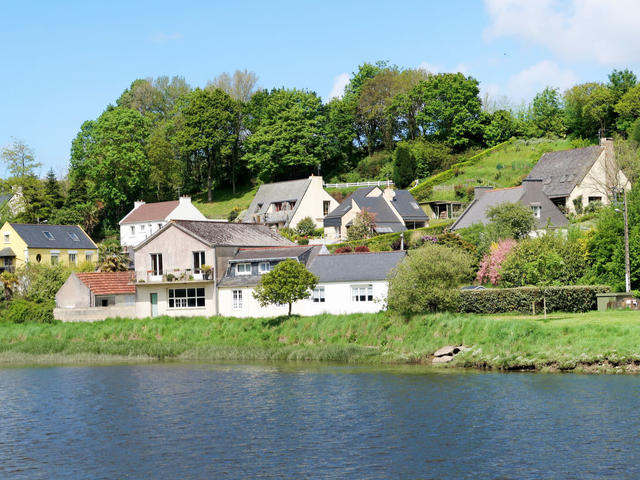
173, 276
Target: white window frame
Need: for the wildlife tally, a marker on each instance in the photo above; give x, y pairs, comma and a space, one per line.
243, 271
201, 256
73, 258
142, 228
318, 295
133, 229
197, 294
362, 293
55, 255
157, 267
48, 235
6, 238
236, 296
537, 210
73, 236
262, 270
88, 257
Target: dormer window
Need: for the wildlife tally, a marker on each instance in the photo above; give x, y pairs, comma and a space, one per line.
243, 269
73, 236
259, 207
264, 267
537, 210
48, 235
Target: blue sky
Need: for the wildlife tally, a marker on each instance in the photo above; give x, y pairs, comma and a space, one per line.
63, 62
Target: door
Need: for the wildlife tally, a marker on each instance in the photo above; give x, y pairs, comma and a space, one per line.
154, 304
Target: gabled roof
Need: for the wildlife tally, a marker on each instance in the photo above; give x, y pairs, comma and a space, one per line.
226, 234
408, 207
561, 171
53, 236
268, 193
151, 212
108, 283
271, 253
355, 267
374, 204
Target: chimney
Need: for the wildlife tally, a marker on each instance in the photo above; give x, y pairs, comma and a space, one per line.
185, 199
138, 204
609, 153
532, 186
389, 194
478, 191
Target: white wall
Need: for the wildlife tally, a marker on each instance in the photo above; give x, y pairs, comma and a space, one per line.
337, 301
311, 204
129, 239
186, 211
143, 300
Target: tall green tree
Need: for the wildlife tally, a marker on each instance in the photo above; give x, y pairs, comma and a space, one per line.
53, 191
628, 108
589, 109
404, 166
620, 81
546, 114
20, 159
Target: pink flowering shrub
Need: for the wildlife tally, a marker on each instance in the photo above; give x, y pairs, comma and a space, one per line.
489, 271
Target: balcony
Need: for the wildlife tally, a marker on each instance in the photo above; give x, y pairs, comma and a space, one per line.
173, 276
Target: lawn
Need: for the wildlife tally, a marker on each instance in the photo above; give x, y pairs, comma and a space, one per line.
224, 200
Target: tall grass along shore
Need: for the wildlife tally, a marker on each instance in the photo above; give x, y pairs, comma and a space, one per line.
563, 342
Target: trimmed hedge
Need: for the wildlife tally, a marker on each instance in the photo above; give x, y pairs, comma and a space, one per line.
423, 190
573, 299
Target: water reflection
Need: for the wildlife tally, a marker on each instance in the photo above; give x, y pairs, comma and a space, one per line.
313, 421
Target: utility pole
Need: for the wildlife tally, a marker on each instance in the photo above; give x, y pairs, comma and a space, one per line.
627, 266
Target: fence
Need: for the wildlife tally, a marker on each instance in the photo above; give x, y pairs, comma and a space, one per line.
380, 183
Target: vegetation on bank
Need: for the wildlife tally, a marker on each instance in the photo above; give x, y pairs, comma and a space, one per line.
559, 342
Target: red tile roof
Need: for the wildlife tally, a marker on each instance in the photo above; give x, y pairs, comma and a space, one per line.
108, 283
150, 212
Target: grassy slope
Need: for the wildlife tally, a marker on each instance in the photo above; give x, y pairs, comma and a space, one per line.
564, 342
516, 160
224, 201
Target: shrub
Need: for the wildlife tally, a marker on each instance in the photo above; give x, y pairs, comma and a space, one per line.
512, 218
362, 249
303, 241
453, 240
345, 249
233, 214
305, 227
40, 282
491, 264
504, 300
362, 226
287, 233
427, 280
21, 311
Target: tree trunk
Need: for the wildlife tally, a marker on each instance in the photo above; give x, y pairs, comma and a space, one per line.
209, 180
289, 309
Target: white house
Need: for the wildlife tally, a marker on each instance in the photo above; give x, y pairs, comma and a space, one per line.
284, 204
147, 218
348, 283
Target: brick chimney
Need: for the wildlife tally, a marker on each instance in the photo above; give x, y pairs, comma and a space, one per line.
478, 191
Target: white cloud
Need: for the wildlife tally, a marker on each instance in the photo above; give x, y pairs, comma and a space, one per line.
604, 31
437, 68
339, 82
531, 80
166, 37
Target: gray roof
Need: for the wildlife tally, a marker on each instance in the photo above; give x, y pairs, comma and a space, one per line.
231, 234
355, 267
562, 171
269, 193
34, 236
5, 197
273, 253
7, 252
376, 205
408, 207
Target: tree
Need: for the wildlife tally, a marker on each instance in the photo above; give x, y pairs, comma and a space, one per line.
589, 109
404, 166
111, 258
513, 219
620, 81
19, 159
628, 108
427, 280
288, 282
52, 191
305, 227
491, 264
546, 114
288, 134
501, 127
362, 226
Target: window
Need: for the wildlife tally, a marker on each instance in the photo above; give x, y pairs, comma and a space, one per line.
318, 295
73, 236
88, 257
186, 297
243, 269
105, 301
6, 238
198, 261
591, 200
325, 208
73, 258
537, 210
38, 258
142, 228
156, 264
362, 293
48, 235
133, 229
264, 267
237, 299
54, 259
159, 226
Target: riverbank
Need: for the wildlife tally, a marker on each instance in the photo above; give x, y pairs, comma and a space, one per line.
562, 342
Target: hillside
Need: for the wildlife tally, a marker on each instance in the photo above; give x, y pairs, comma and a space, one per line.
503, 166
224, 201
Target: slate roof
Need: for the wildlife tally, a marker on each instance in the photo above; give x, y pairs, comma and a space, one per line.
268, 193
408, 207
562, 171
151, 212
34, 237
230, 234
108, 283
377, 205
5, 198
272, 253
355, 267
7, 252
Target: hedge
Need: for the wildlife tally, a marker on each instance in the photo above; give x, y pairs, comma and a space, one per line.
423, 190
26, 311
522, 299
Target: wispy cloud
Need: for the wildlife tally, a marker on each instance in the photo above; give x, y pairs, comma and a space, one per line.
437, 68
162, 37
525, 84
339, 82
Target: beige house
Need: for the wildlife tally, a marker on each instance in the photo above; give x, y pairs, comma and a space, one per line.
580, 176
177, 267
284, 204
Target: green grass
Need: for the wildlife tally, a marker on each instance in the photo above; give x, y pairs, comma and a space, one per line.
224, 200
592, 341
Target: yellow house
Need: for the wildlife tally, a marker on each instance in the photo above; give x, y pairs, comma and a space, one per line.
47, 244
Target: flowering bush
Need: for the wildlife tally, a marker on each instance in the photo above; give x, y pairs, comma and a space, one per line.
491, 264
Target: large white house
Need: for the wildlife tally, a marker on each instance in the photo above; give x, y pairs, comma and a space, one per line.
284, 204
147, 218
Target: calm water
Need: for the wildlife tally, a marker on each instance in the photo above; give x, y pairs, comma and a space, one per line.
299, 421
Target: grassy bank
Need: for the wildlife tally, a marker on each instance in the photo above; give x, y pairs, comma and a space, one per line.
591, 341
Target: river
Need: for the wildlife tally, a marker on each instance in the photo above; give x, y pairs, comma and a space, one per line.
202, 421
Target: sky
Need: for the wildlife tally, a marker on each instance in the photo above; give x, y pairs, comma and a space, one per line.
63, 62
